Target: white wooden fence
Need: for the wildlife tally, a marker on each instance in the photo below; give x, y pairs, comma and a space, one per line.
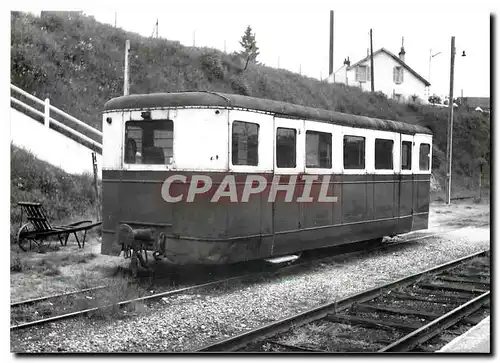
71, 154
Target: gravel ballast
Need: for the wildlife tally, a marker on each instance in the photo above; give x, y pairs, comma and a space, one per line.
187, 322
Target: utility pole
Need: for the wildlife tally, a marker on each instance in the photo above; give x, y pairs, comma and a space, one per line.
371, 62
330, 64
126, 70
300, 68
115, 19
156, 27
449, 148
194, 38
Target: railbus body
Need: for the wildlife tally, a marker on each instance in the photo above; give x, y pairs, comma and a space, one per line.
160, 151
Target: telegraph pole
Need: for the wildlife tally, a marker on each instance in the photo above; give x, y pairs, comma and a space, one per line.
330, 64
126, 70
156, 27
449, 147
371, 62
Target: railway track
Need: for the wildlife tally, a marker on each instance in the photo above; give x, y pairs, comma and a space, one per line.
421, 312
47, 309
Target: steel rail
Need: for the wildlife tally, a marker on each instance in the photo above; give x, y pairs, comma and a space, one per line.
382, 247
171, 292
430, 330
56, 296
271, 329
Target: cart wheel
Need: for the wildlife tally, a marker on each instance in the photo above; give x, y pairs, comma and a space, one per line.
23, 242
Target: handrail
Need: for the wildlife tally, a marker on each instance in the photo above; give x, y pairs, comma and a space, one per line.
47, 119
26, 94
75, 120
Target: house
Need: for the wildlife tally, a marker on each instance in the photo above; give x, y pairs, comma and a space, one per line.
393, 76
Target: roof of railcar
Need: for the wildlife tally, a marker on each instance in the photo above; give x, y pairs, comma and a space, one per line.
285, 109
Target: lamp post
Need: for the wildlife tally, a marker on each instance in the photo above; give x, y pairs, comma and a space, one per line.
449, 147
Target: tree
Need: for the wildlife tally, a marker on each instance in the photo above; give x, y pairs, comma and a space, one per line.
250, 49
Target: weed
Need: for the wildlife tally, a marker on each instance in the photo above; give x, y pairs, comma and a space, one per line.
16, 264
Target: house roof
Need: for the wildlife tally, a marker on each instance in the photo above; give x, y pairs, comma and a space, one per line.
278, 108
397, 59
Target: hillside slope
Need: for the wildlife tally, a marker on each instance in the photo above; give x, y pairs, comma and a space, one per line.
78, 63
64, 196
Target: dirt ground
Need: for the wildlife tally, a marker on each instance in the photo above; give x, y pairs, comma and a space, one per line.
71, 268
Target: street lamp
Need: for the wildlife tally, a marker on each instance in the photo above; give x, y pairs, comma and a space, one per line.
430, 59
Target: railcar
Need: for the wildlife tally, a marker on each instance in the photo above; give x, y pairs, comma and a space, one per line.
213, 178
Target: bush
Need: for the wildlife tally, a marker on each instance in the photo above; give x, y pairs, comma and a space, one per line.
211, 63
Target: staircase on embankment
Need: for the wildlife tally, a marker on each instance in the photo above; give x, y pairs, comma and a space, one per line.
53, 135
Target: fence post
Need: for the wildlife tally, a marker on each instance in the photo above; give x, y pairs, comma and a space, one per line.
47, 113
94, 168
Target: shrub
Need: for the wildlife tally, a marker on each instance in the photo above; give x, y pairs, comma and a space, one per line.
211, 63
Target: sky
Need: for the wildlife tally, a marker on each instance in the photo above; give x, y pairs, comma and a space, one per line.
296, 36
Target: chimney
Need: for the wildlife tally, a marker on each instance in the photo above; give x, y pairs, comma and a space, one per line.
402, 52
347, 62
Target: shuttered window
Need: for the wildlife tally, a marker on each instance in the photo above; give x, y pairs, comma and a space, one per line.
397, 74
363, 74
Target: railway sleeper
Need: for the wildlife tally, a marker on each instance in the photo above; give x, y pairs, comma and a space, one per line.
400, 311
371, 323
448, 297
452, 287
296, 348
464, 280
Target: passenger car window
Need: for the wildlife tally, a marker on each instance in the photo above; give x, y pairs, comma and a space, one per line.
286, 148
149, 142
383, 154
318, 149
354, 152
424, 160
406, 155
245, 144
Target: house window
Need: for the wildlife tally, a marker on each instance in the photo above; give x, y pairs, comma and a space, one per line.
398, 74
286, 147
383, 154
363, 74
354, 152
245, 145
424, 160
406, 155
318, 149
149, 142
